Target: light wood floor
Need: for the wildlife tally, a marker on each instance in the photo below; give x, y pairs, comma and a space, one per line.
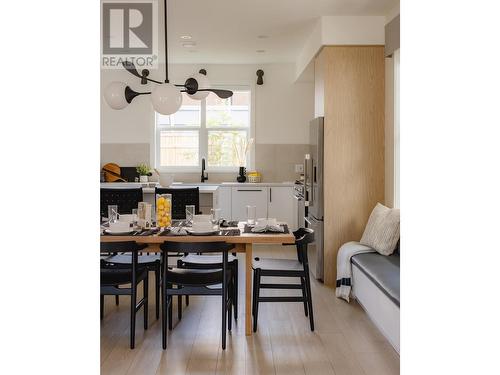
345, 341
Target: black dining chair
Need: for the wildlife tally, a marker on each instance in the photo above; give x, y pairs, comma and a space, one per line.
207, 262
127, 199
180, 199
181, 281
116, 276
285, 268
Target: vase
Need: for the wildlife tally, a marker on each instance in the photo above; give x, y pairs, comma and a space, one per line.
241, 177
143, 178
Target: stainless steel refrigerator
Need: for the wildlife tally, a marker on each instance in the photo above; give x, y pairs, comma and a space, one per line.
313, 181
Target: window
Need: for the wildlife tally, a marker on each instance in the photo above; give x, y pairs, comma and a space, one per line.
215, 129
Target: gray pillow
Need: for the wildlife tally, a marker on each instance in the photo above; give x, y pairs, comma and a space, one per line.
382, 230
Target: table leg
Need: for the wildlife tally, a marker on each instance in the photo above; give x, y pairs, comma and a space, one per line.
248, 287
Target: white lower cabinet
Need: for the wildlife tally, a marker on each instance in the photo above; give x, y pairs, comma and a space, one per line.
241, 197
282, 205
270, 202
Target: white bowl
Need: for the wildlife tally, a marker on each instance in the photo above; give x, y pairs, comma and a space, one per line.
202, 227
126, 218
201, 218
119, 226
166, 179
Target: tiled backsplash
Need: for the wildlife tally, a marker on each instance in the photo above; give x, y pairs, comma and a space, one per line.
276, 162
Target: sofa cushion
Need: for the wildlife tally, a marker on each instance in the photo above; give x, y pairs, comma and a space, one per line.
382, 230
383, 271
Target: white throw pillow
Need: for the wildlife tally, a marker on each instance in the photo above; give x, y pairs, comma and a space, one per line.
382, 230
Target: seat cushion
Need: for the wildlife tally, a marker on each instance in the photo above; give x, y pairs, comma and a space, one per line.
206, 259
127, 259
277, 264
119, 276
195, 277
382, 270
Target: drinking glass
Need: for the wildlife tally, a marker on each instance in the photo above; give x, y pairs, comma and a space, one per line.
251, 215
190, 211
215, 217
112, 213
134, 217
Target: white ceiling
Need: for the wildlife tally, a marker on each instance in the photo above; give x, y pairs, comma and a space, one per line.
226, 31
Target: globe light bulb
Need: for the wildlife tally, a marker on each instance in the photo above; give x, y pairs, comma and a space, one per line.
203, 83
166, 99
114, 95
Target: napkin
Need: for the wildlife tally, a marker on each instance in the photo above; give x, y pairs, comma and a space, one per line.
178, 231
260, 228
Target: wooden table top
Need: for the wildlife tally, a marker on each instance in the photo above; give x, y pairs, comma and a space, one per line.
243, 238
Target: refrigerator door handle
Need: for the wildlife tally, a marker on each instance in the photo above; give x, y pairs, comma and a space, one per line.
312, 180
306, 176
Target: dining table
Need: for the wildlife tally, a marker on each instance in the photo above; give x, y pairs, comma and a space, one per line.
242, 240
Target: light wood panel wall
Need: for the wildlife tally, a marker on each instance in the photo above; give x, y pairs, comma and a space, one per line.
354, 143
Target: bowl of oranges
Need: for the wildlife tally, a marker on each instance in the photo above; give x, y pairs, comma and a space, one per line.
163, 210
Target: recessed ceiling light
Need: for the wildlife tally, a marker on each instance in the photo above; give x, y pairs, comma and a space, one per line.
260, 51
262, 36
189, 44
186, 37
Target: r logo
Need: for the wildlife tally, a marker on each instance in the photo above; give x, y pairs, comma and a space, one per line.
127, 28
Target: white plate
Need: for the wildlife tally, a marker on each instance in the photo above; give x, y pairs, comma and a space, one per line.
118, 233
204, 233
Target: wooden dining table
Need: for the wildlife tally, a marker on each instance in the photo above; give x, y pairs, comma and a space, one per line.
243, 244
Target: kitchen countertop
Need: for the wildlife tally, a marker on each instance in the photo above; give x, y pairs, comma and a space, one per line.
205, 188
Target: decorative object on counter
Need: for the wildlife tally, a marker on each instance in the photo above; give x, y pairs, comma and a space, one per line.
165, 179
242, 147
260, 74
112, 173
241, 177
163, 210
112, 213
144, 215
166, 97
144, 171
190, 212
254, 177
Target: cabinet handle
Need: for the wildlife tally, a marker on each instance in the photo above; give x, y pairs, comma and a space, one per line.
249, 190
270, 194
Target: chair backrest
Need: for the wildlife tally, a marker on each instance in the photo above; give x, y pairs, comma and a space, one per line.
304, 236
122, 247
196, 247
180, 199
126, 199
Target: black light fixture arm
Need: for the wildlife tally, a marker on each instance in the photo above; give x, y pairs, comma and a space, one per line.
131, 94
166, 40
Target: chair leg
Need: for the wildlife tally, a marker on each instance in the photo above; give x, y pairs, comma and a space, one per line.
164, 304
179, 307
102, 306
145, 285
230, 307
302, 282
117, 300
257, 294
224, 313
187, 300
254, 290
133, 304
157, 290
235, 292
309, 299
170, 303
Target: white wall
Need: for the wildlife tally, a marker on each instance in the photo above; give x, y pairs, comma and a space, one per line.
283, 108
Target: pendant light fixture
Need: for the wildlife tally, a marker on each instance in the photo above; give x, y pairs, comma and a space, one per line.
166, 97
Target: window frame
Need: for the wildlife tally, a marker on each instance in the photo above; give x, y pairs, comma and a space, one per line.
203, 137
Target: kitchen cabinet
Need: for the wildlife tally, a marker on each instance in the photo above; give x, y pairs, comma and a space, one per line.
241, 197
282, 205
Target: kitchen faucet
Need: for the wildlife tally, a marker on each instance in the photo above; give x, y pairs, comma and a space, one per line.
204, 175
